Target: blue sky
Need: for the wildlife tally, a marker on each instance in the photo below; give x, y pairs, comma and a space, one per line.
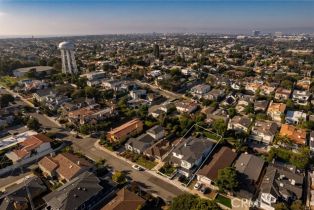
76, 17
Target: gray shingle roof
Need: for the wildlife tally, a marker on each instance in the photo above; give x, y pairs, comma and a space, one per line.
193, 148
282, 183
75, 193
250, 165
142, 142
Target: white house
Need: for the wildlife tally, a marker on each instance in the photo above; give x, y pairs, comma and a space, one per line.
33, 145
301, 97
264, 131
295, 117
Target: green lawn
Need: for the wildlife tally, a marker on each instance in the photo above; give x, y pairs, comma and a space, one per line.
167, 170
212, 136
223, 200
145, 163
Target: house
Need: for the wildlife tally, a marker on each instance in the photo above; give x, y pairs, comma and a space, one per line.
77, 104
296, 135
41, 95
260, 106
140, 144
17, 195
33, 145
200, 90
250, 169
301, 97
276, 110
241, 124
92, 112
159, 150
312, 141
190, 153
186, 106
143, 142
230, 100
166, 107
83, 192
282, 94
295, 117
125, 131
215, 95
264, 131
242, 104
137, 94
54, 103
156, 113
65, 166
304, 83
31, 85
111, 84
125, 199
252, 87
137, 103
267, 90
209, 172
279, 185
157, 132
95, 75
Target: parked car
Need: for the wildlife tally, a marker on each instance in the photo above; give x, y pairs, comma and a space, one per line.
197, 186
137, 167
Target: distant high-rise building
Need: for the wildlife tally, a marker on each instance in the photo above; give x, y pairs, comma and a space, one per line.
68, 58
156, 51
256, 33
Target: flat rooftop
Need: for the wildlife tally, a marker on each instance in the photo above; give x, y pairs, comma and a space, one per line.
15, 139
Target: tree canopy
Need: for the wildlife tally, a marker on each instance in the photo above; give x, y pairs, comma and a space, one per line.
192, 202
227, 179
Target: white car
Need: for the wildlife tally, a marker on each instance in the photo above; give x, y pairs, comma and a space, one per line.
197, 186
137, 167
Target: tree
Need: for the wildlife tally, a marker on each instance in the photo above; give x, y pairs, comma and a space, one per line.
232, 112
227, 179
91, 92
5, 99
297, 205
249, 108
33, 124
219, 126
119, 177
192, 202
287, 84
281, 206
205, 204
184, 202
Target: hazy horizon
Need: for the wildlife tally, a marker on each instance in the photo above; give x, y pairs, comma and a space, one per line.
22, 18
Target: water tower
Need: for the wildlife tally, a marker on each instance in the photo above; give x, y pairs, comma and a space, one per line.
68, 58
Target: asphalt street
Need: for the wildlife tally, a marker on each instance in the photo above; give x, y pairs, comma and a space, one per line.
149, 182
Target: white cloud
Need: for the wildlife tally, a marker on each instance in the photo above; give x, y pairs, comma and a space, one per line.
2, 13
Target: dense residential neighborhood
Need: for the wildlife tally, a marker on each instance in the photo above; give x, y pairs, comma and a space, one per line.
149, 121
